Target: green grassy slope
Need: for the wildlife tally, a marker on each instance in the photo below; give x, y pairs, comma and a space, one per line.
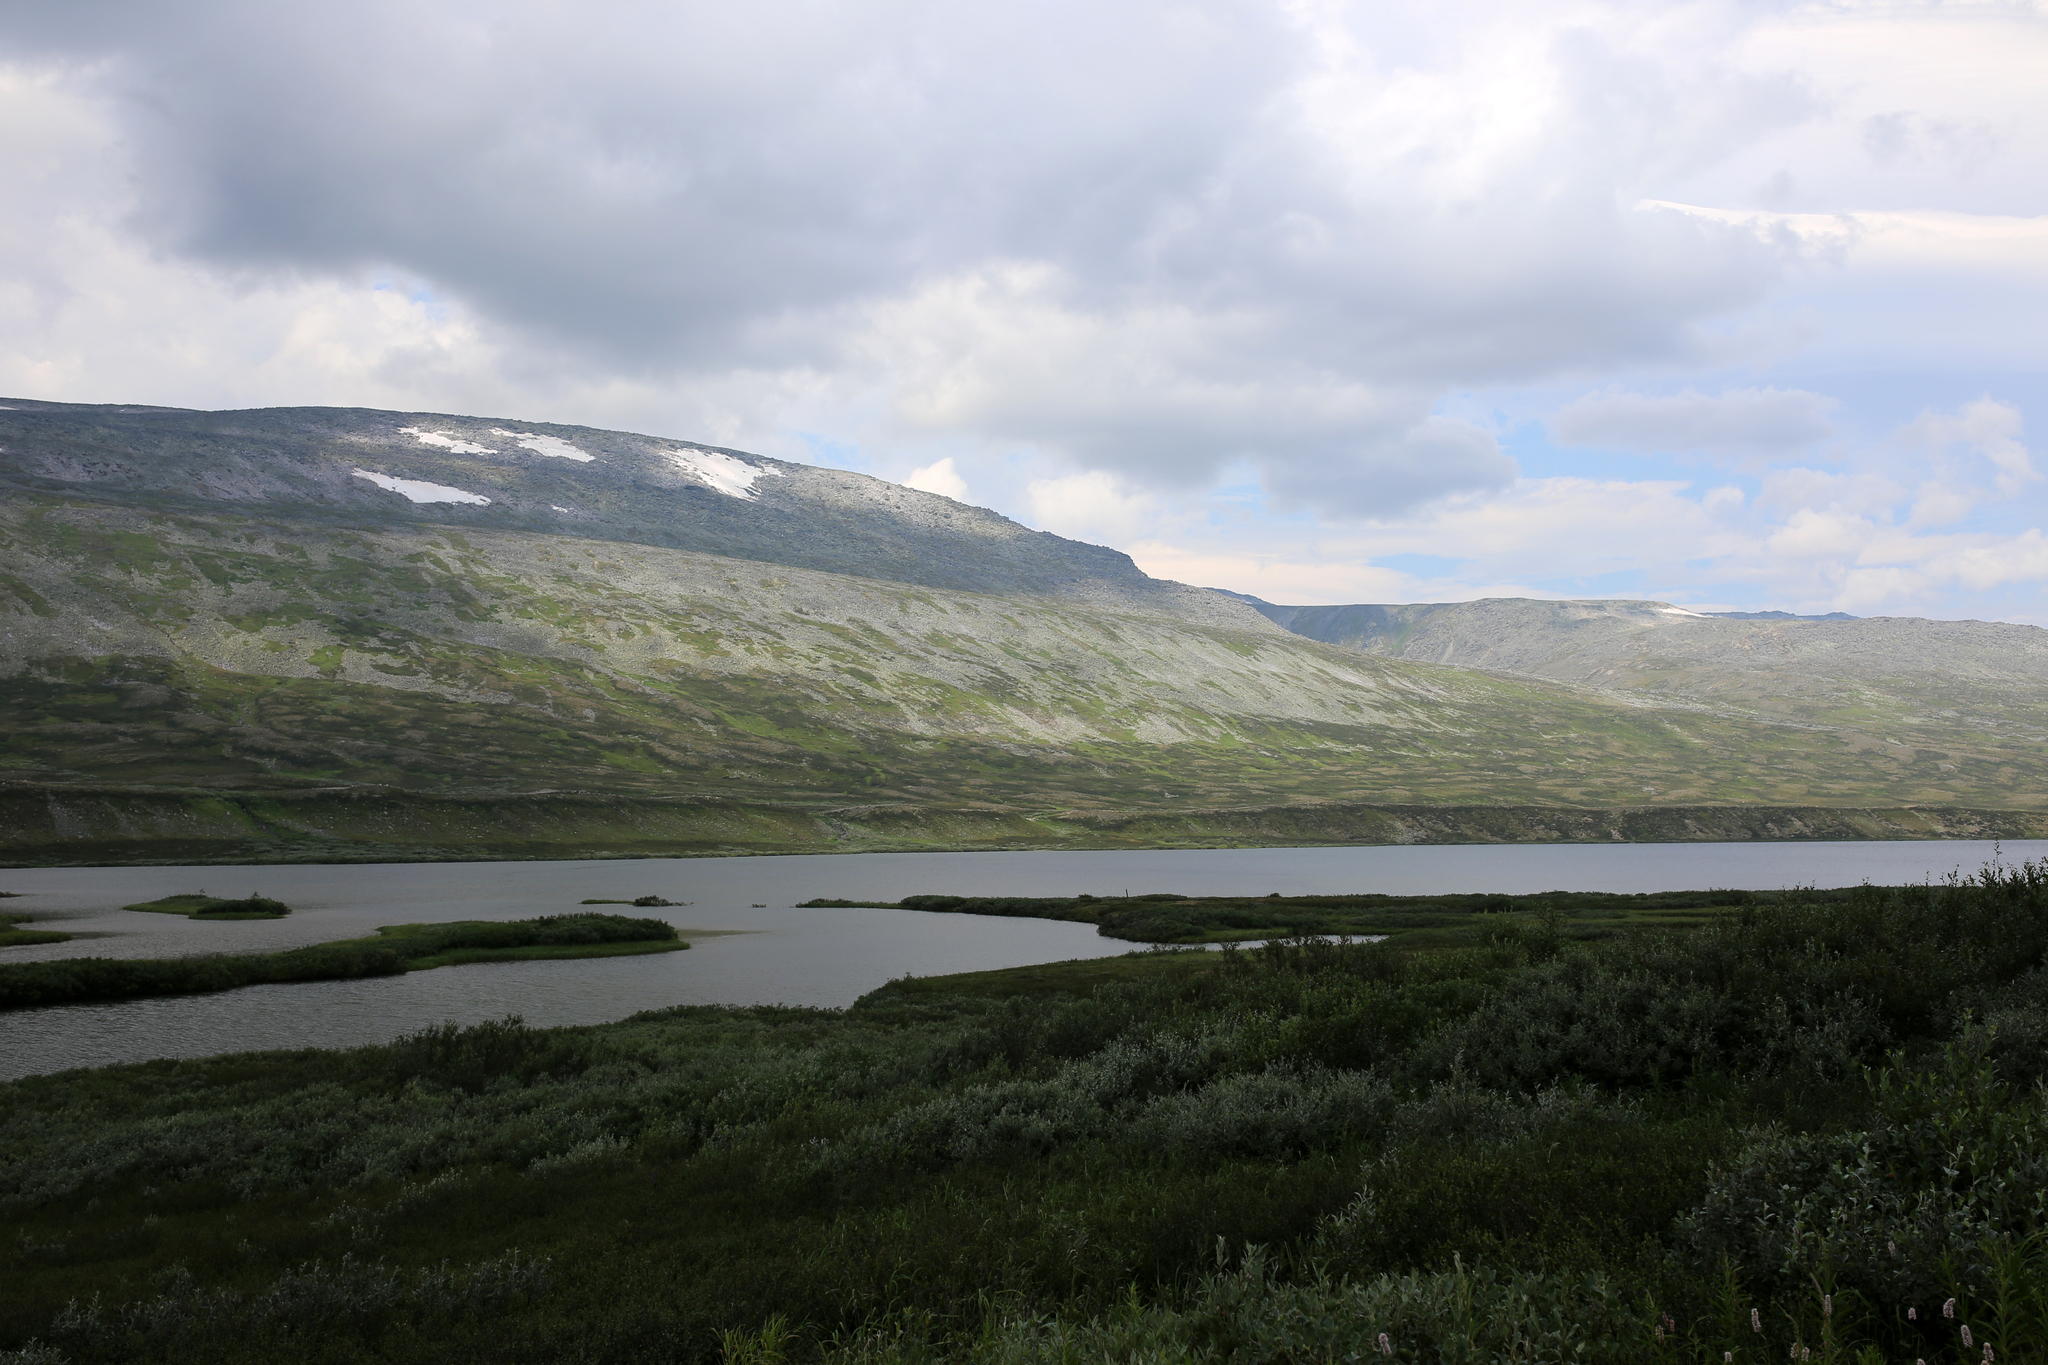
157, 651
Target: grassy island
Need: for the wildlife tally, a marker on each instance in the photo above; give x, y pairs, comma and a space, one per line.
585, 934
1810, 1128
394, 949
199, 905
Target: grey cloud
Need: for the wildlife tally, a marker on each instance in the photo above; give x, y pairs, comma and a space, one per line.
1739, 422
655, 189
1384, 479
652, 176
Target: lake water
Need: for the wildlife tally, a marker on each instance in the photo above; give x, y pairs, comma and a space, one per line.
749, 945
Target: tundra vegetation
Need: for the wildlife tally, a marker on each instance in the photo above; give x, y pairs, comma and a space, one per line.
1810, 1128
395, 949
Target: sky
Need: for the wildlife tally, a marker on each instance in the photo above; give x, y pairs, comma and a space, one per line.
1732, 305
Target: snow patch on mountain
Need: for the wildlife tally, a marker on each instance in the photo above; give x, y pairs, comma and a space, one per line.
417, 490
446, 442
734, 478
545, 445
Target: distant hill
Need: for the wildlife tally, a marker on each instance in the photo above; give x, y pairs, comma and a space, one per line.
1907, 679
1779, 616
328, 633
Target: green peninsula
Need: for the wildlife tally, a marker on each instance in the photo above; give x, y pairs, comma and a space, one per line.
1168, 917
394, 949
12, 935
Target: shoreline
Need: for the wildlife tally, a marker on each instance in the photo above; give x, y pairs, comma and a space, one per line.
54, 827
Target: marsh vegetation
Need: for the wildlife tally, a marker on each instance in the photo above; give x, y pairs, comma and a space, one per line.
1809, 1127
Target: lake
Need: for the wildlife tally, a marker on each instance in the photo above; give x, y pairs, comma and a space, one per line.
749, 946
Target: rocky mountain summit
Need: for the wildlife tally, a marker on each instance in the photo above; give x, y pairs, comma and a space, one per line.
358, 467
334, 633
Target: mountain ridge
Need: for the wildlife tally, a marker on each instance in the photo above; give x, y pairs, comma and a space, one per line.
622, 486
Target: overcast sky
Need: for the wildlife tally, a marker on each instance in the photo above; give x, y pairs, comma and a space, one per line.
1733, 305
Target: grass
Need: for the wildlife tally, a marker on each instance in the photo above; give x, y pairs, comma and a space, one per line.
1821, 1109
203, 906
394, 949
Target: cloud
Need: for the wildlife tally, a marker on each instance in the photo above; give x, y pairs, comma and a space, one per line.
1740, 422
1095, 506
1876, 535
1988, 430
1436, 457
941, 477
1153, 238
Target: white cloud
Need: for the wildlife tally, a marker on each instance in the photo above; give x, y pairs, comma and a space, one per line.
1096, 506
1988, 430
941, 477
1856, 539
1739, 422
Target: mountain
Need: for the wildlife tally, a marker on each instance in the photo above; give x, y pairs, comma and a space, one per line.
330, 633
353, 467
1903, 679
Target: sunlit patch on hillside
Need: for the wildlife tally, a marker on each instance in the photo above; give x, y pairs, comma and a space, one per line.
418, 490
732, 477
446, 442
545, 445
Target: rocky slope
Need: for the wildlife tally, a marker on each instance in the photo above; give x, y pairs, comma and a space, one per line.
356, 467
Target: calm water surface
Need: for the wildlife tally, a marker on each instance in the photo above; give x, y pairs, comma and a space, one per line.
749, 945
